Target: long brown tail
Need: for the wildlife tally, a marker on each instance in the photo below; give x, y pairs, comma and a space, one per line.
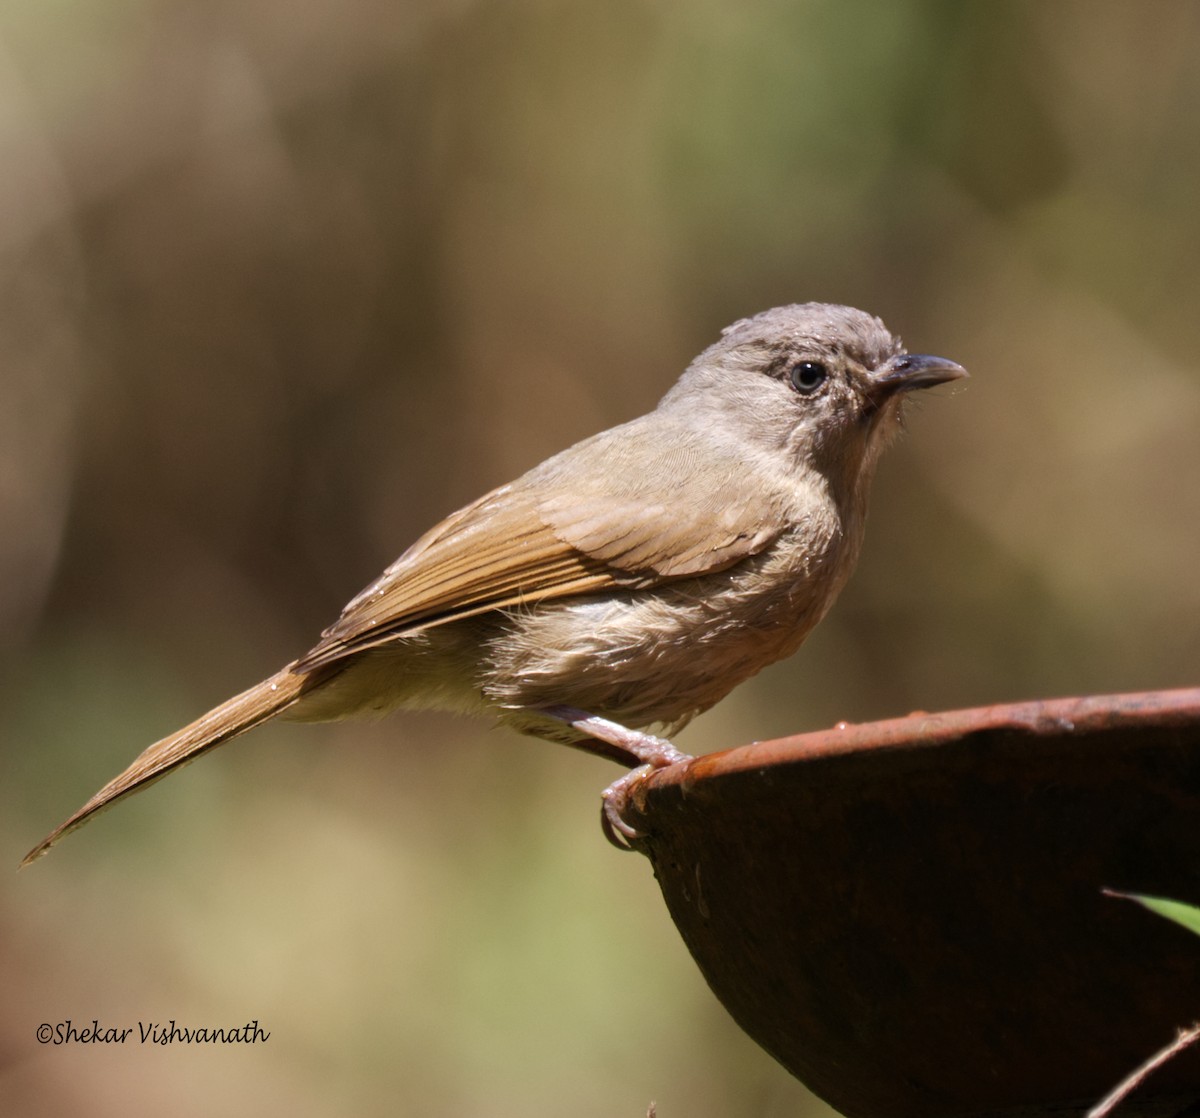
219, 725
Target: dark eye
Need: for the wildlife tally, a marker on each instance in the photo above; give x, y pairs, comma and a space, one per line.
808, 376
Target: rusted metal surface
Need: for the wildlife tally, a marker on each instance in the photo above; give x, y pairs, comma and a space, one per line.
908, 914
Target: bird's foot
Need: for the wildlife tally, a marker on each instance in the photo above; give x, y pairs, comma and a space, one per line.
653, 753
614, 800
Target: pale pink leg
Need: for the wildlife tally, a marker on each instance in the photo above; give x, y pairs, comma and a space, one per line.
654, 753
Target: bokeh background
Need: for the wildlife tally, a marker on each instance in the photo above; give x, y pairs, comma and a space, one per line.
281, 284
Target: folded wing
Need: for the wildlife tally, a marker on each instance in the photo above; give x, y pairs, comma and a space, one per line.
649, 507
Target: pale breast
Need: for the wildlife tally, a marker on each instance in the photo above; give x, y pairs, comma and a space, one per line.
658, 657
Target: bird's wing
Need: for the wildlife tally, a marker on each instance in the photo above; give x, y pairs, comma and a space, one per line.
633, 512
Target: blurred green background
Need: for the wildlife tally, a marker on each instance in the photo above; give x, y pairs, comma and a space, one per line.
281, 284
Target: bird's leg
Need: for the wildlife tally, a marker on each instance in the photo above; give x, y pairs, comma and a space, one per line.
653, 753
646, 749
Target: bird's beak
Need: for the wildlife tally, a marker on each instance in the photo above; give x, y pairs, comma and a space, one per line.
907, 371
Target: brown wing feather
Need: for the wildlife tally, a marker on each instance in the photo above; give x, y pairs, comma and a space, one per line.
668, 500
632, 512
494, 554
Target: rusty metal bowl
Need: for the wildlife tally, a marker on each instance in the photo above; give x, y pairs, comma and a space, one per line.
909, 914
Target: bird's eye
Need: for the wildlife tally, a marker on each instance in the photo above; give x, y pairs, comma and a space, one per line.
808, 376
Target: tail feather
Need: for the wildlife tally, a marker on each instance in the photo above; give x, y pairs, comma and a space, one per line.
219, 725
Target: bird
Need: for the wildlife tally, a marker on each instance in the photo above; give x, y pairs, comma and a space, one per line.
627, 583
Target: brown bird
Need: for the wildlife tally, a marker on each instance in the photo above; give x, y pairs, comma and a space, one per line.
630, 581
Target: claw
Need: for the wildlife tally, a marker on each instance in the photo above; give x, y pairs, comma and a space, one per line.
614, 800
